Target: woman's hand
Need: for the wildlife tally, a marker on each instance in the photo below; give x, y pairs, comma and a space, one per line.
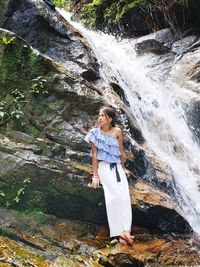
127, 172
95, 182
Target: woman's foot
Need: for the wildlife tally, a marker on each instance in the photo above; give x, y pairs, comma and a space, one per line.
122, 240
126, 237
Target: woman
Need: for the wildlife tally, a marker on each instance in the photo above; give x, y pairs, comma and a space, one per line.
108, 169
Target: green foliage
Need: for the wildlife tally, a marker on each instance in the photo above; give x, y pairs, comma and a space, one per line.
21, 79
183, 3
103, 14
61, 3
38, 86
110, 15
16, 196
6, 41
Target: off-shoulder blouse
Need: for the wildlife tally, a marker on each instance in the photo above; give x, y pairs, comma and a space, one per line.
108, 146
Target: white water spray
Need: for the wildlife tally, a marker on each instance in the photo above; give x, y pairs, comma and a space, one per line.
158, 108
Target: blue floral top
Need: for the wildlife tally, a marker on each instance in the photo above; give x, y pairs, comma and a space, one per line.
108, 146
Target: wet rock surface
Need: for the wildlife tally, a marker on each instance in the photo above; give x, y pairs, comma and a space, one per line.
43, 240
174, 56
158, 42
46, 30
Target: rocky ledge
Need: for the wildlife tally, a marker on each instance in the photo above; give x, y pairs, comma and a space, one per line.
42, 240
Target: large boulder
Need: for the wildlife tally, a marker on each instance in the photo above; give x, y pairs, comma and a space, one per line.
46, 30
158, 42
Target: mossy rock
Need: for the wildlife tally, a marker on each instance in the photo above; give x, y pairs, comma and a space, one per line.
3, 8
132, 17
21, 69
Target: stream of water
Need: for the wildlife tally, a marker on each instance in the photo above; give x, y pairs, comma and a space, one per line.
158, 108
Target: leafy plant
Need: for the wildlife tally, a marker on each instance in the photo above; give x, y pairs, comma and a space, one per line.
17, 113
38, 86
18, 95
61, 3
18, 195
21, 191
7, 41
3, 113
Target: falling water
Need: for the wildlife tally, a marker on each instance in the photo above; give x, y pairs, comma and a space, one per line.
158, 108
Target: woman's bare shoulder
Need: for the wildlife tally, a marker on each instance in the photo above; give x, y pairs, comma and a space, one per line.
117, 130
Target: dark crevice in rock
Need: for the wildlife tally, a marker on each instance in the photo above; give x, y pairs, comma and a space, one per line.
125, 260
132, 126
50, 4
15, 237
121, 93
78, 207
90, 75
140, 163
160, 220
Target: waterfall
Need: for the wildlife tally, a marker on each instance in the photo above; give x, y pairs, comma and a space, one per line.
158, 108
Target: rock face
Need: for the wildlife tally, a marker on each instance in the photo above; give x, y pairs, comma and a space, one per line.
47, 31
39, 116
159, 42
48, 115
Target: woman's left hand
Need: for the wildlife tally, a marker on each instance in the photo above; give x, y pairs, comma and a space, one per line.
127, 172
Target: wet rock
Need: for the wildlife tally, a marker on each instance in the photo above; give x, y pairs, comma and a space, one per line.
20, 136
186, 71
154, 210
183, 45
47, 31
90, 75
43, 240
50, 4
193, 118
124, 260
158, 42
50, 182
120, 92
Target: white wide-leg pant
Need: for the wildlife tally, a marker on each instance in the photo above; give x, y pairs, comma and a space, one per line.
117, 198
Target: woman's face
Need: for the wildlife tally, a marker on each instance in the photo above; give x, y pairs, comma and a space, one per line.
103, 119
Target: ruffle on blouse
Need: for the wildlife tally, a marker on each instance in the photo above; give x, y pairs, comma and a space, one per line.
102, 155
104, 142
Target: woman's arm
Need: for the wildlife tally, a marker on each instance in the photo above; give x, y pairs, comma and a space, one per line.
120, 139
95, 178
122, 157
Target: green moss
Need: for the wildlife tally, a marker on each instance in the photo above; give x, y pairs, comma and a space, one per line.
93, 12
12, 189
36, 213
182, 3
2, 9
130, 6
61, 3
110, 15
20, 69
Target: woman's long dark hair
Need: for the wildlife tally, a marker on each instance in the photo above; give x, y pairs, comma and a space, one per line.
111, 113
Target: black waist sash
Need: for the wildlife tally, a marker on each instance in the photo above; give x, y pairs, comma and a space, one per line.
112, 165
